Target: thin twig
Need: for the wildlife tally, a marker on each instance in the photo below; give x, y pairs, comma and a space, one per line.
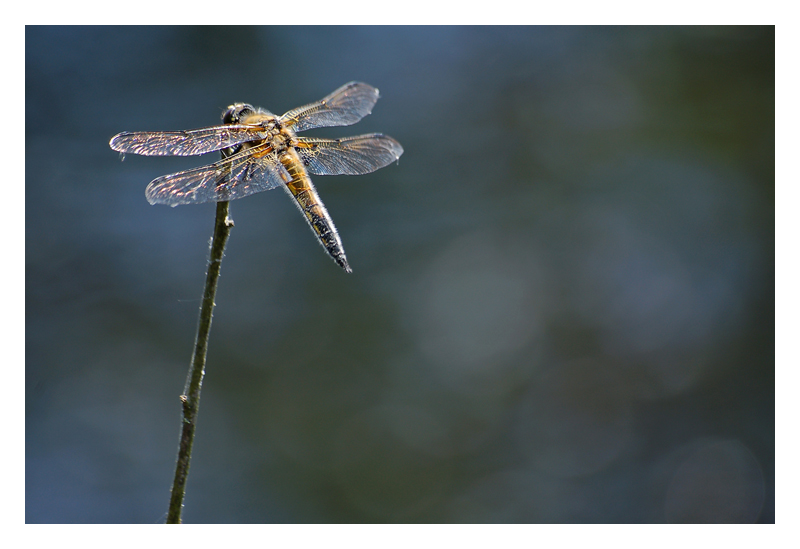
194, 381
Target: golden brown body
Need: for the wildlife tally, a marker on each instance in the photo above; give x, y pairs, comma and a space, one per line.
312, 207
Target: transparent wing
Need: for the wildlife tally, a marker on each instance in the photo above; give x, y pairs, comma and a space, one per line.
349, 155
187, 142
235, 177
344, 107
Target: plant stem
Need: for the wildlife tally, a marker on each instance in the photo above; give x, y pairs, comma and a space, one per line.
194, 381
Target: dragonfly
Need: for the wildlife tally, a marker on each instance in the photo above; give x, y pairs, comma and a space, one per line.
261, 151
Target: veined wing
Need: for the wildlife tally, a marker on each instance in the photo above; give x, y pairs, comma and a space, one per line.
234, 177
349, 155
344, 107
187, 142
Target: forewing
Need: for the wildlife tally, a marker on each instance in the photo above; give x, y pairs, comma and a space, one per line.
344, 107
349, 155
235, 177
186, 142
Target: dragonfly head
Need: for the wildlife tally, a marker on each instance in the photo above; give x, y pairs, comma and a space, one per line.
236, 112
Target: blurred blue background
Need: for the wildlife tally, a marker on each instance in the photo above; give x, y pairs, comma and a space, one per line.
562, 305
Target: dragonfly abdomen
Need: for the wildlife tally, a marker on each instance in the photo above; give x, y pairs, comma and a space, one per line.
309, 202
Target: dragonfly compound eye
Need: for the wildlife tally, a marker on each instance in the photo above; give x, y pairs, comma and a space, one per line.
235, 112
